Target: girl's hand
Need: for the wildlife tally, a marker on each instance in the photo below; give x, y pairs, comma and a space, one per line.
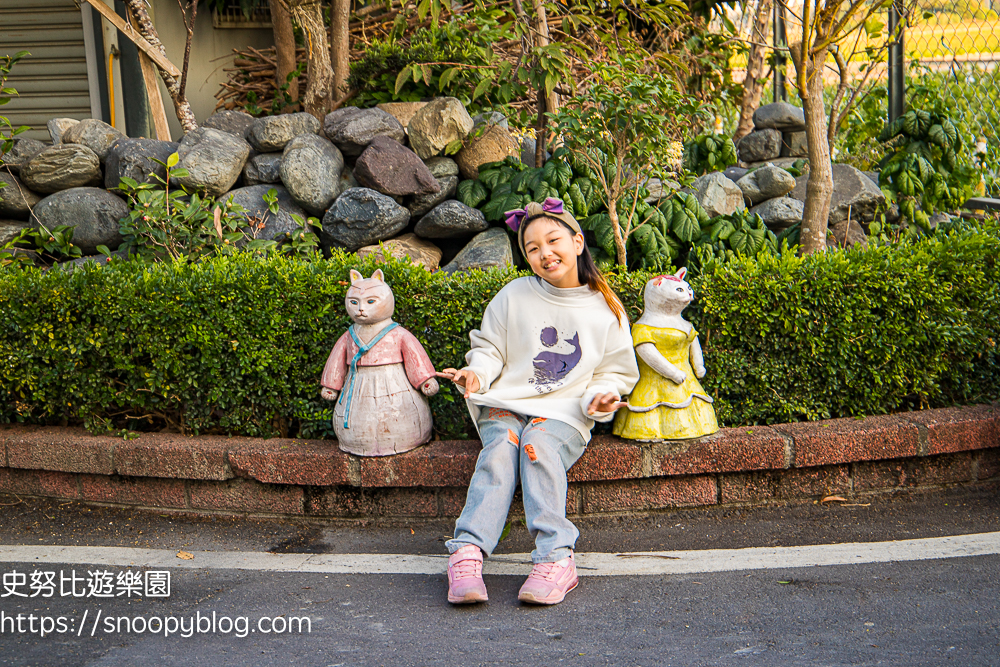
605, 403
465, 379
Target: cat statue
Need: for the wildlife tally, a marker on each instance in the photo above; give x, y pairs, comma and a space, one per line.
668, 402
381, 374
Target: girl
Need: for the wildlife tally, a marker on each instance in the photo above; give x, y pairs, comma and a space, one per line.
553, 354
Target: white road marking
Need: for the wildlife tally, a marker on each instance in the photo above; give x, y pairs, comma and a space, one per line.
589, 564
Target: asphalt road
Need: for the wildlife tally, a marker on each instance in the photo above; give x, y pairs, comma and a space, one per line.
918, 612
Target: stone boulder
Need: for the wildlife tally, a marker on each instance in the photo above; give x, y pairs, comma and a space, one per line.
135, 159
717, 194
262, 224
492, 118
493, 145
766, 183
658, 189
392, 169
95, 134
57, 126
847, 234
779, 116
436, 125
351, 129
9, 229
271, 134
486, 250
528, 146
16, 200
421, 204
760, 145
213, 159
231, 121
417, 250
262, 168
401, 111
779, 213
94, 213
310, 169
441, 167
735, 173
854, 194
794, 144
62, 167
449, 220
22, 151
361, 217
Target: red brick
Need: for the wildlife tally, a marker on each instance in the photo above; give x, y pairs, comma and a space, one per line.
943, 469
607, 458
438, 463
731, 449
989, 464
952, 430
847, 440
573, 494
244, 495
59, 449
354, 502
648, 494
39, 483
174, 456
283, 461
146, 491
452, 499
763, 486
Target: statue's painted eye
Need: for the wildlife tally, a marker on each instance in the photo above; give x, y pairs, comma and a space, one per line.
370, 301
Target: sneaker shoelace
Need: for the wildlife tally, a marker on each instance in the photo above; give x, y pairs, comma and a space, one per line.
546, 571
467, 568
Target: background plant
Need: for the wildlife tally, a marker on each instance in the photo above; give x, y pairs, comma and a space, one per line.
709, 152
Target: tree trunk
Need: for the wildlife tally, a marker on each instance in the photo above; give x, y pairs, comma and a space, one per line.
340, 45
284, 49
542, 39
620, 255
309, 15
144, 25
753, 84
541, 129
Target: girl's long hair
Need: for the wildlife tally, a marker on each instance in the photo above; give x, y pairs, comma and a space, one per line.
588, 273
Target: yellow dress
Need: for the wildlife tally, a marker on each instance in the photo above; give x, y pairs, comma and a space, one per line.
658, 408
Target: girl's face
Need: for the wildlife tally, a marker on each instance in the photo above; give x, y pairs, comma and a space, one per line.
552, 252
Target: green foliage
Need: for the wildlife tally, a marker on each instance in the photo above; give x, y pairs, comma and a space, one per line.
236, 344
7, 131
709, 152
282, 98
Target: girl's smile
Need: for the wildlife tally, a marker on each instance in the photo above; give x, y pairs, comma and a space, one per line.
552, 251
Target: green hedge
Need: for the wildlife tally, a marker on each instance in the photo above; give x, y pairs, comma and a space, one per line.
237, 344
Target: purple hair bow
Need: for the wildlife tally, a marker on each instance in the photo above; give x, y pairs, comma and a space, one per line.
516, 217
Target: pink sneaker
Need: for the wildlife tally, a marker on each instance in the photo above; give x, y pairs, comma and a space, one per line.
465, 576
549, 583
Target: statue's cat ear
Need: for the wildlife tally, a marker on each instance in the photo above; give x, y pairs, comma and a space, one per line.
378, 275
356, 276
681, 273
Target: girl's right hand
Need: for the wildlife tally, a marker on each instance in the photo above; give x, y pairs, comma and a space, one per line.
465, 379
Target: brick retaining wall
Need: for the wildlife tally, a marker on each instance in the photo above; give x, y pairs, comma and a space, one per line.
308, 478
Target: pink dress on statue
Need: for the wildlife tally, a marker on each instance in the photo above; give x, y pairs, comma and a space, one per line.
385, 405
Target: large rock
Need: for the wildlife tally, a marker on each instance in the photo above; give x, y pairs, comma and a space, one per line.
94, 213
392, 169
794, 144
62, 167
436, 125
213, 159
735, 173
310, 169
58, 126
779, 116
262, 168
417, 250
760, 145
351, 129
262, 224
22, 151
421, 204
440, 167
847, 234
493, 145
779, 213
9, 229
401, 111
362, 216
95, 134
528, 146
766, 183
449, 220
231, 121
272, 133
854, 195
16, 200
717, 194
492, 118
485, 251
136, 159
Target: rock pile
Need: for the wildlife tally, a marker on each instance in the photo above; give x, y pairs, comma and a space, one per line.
779, 132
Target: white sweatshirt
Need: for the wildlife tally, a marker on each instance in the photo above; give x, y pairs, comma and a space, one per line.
545, 351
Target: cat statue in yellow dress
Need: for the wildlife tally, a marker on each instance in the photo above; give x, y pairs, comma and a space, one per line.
668, 402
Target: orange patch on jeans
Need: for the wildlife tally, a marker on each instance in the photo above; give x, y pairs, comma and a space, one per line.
499, 413
537, 420
530, 451
512, 437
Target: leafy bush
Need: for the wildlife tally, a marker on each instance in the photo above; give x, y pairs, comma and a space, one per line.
709, 152
236, 344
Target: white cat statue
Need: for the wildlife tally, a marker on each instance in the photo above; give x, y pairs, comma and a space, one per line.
668, 402
381, 374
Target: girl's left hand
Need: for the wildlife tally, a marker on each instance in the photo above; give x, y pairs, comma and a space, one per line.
605, 403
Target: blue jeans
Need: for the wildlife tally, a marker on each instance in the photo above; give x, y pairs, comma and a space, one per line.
508, 441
